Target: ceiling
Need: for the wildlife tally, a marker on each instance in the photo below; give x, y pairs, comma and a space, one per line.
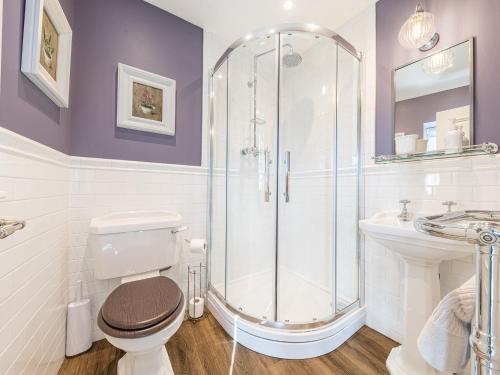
232, 19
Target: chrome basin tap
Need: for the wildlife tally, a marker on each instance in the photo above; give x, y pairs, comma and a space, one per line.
450, 204
404, 215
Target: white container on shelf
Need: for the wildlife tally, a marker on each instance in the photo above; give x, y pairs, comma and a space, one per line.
406, 144
422, 145
454, 140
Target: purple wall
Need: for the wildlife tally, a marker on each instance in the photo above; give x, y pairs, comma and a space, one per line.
137, 34
106, 32
24, 109
456, 21
412, 113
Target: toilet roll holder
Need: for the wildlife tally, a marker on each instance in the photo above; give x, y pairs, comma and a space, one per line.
195, 296
195, 311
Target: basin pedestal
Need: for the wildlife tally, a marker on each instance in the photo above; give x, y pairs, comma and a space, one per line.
422, 255
422, 294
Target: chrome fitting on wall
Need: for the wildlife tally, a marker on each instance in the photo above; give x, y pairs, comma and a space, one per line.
179, 229
8, 227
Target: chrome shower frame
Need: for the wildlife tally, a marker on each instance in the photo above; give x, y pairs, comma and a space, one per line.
349, 48
293, 27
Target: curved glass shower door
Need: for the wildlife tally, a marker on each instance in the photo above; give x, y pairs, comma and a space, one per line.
284, 179
306, 203
251, 180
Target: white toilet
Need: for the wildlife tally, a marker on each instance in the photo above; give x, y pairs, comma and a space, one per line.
146, 310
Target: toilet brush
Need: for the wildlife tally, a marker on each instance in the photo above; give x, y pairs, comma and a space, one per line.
79, 324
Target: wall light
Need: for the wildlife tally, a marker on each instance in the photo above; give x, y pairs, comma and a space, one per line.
419, 31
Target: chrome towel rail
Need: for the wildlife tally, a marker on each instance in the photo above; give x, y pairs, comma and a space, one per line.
482, 229
8, 227
474, 227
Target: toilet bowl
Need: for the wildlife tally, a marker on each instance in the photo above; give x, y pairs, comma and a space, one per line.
139, 317
147, 309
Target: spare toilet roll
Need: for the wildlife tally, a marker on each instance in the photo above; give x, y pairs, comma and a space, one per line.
196, 307
198, 245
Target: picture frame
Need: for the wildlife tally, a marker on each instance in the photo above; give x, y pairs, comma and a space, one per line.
145, 101
46, 56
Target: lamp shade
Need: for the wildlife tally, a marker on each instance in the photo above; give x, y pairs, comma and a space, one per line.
418, 30
439, 62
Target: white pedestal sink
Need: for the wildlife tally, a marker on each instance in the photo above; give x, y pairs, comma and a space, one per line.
422, 255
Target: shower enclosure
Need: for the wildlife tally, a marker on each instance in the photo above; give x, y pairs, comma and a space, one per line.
284, 257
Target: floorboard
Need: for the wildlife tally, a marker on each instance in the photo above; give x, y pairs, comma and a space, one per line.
204, 348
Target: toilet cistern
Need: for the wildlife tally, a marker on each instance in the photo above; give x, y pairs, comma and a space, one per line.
147, 309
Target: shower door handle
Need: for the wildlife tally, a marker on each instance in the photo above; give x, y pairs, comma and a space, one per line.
267, 168
287, 176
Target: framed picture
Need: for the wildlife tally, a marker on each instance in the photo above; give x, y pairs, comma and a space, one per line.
145, 101
46, 56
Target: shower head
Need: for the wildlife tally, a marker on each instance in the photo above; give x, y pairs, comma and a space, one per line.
291, 59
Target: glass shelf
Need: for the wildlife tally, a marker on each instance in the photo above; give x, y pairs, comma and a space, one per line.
481, 149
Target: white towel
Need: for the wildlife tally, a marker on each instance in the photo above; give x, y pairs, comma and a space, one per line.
444, 340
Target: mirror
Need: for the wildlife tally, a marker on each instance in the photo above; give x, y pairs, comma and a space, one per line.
433, 102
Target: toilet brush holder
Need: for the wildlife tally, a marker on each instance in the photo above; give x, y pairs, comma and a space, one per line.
78, 325
196, 302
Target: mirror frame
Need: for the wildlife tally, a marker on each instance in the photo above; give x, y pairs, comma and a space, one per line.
471, 41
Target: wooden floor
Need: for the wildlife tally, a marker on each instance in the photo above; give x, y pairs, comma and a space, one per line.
204, 348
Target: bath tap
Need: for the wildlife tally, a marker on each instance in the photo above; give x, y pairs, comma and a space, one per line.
404, 215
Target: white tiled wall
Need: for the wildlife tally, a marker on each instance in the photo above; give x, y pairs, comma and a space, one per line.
58, 195
33, 261
100, 186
